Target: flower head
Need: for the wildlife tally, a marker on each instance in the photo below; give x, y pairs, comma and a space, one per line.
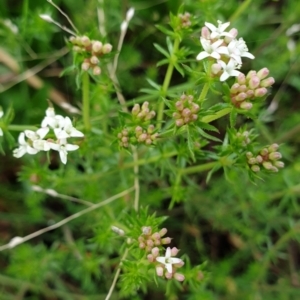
62, 147
217, 32
168, 261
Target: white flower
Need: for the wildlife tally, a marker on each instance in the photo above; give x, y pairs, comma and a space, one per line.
238, 49
210, 50
54, 121
217, 32
62, 147
229, 69
1, 115
168, 261
68, 130
24, 147
37, 135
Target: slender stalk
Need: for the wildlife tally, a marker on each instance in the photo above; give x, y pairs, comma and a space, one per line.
166, 82
86, 101
66, 220
241, 8
136, 179
116, 276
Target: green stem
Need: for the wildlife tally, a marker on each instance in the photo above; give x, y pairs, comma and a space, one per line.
221, 113
166, 82
21, 127
86, 101
240, 10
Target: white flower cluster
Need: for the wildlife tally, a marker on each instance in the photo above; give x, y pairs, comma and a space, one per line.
224, 48
32, 142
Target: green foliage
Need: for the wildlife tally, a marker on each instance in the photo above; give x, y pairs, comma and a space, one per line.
160, 127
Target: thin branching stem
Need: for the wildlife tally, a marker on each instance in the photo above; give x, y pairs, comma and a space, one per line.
68, 219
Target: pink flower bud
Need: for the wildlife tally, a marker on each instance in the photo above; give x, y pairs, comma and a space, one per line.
216, 68
274, 169
241, 79
85, 66
159, 271
136, 109
194, 117
163, 231
94, 60
150, 258
97, 46
140, 239
267, 165
166, 240
179, 105
150, 243
145, 229
155, 251
252, 161
234, 89
275, 155
176, 115
139, 130
186, 112
250, 74
273, 147
250, 94
205, 33
96, 70
246, 105
241, 97
168, 275
260, 92
195, 107
174, 251
263, 73
156, 236
145, 106
148, 141
179, 122
259, 159
124, 139
254, 82
267, 82
106, 48
85, 41
125, 132
150, 128
157, 242
249, 154
142, 137
255, 168
179, 277
142, 245
264, 152
242, 88
279, 164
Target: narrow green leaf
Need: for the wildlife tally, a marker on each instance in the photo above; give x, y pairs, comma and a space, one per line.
161, 50
208, 136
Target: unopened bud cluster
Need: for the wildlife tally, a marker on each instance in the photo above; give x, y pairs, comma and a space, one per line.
247, 88
268, 158
186, 110
185, 20
148, 240
243, 138
93, 49
166, 266
146, 137
143, 113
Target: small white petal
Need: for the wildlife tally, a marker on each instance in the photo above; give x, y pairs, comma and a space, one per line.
63, 156
70, 147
